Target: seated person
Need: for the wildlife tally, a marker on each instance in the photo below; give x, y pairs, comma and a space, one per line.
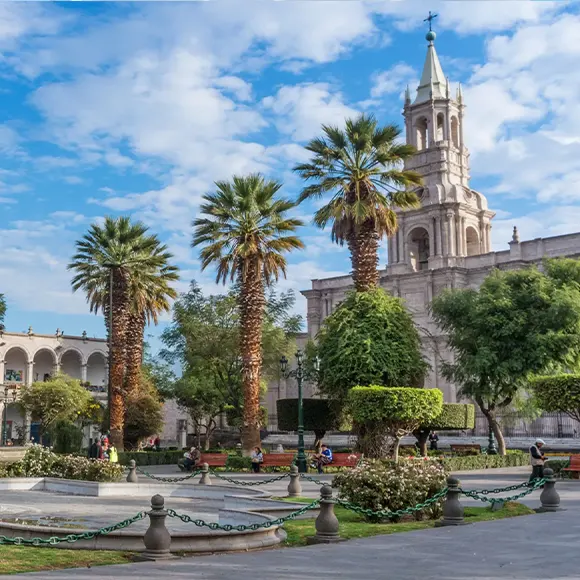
190, 459
323, 458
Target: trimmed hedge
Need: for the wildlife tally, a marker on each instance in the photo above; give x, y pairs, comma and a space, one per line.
319, 415
455, 416
558, 394
472, 462
150, 457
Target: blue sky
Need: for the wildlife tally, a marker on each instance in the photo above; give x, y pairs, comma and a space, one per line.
110, 108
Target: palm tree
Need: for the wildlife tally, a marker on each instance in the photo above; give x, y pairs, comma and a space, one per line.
361, 166
245, 233
110, 260
150, 294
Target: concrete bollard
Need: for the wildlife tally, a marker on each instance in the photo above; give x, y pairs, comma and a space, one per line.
452, 508
294, 487
205, 479
549, 498
132, 475
157, 538
326, 522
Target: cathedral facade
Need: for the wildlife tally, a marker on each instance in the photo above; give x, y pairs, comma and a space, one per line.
446, 243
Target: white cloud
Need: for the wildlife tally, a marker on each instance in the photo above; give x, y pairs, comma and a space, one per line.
301, 109
393, 80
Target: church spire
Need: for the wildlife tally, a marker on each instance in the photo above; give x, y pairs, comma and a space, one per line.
433, 83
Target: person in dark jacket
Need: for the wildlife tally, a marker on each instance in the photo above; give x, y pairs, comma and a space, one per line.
433, 440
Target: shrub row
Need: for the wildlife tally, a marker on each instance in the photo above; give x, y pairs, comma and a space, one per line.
467, 463
40, 461
150, 457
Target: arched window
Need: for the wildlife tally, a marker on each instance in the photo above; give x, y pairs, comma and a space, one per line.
472, 240
455, 132
440, 127
419, 249
422, 134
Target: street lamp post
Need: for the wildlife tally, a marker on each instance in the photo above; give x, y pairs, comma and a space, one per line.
5, 414
301, 460
491, 448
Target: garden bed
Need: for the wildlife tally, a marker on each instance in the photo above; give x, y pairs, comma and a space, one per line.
354, 526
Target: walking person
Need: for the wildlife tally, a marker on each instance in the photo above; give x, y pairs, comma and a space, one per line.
537, 460
257, 459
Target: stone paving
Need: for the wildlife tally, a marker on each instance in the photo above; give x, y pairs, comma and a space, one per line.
540, 546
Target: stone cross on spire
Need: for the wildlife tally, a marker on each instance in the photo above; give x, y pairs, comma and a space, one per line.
430, 19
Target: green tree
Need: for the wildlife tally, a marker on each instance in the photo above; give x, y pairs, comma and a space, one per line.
246, 233
62, 398
144, 415
204, 339
361, 167
518, 323
558, 394
370, 339
124, 273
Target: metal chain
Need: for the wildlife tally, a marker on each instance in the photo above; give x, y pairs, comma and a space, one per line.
249, 483
504, 489
168, 479
72, 538
241, 527
313, 479
390, 514
531, 487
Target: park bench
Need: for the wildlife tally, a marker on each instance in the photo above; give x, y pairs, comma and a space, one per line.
213, 460
458, 447
345, 459
574, 466
278, 459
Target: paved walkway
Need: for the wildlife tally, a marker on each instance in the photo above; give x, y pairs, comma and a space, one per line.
524, 548
540, 546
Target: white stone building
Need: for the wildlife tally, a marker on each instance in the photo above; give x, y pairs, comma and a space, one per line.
29, 357
446, 243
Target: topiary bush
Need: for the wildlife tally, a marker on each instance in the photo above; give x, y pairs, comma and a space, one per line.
384, 485
384, 415
370, 339
453, 416
558, 394
512, 459
66, 437
150, 457
40, 461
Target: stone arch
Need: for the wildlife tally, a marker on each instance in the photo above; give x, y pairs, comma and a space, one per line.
472, 241
422, 133
71, 362
440, 130
455, 131
16, 359
45, 361
419, 248
97, 368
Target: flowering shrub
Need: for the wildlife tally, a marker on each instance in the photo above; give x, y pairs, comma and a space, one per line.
40, 461
385, 485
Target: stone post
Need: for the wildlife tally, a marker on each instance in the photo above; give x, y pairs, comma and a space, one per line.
452, 508
294, 487
549, 498
326, 523
157, 538
205, 480
132, 475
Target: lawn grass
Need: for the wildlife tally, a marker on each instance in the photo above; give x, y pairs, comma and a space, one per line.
353, 525
18, 559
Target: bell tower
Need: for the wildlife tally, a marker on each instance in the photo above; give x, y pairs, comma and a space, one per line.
453, 221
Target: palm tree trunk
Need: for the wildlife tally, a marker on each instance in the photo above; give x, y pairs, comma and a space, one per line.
134, 352
252, 304
365, 269
120, 313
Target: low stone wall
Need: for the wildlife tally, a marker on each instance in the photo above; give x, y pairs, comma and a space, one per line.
270, 507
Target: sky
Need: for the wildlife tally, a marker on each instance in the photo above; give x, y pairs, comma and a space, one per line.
138, 108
